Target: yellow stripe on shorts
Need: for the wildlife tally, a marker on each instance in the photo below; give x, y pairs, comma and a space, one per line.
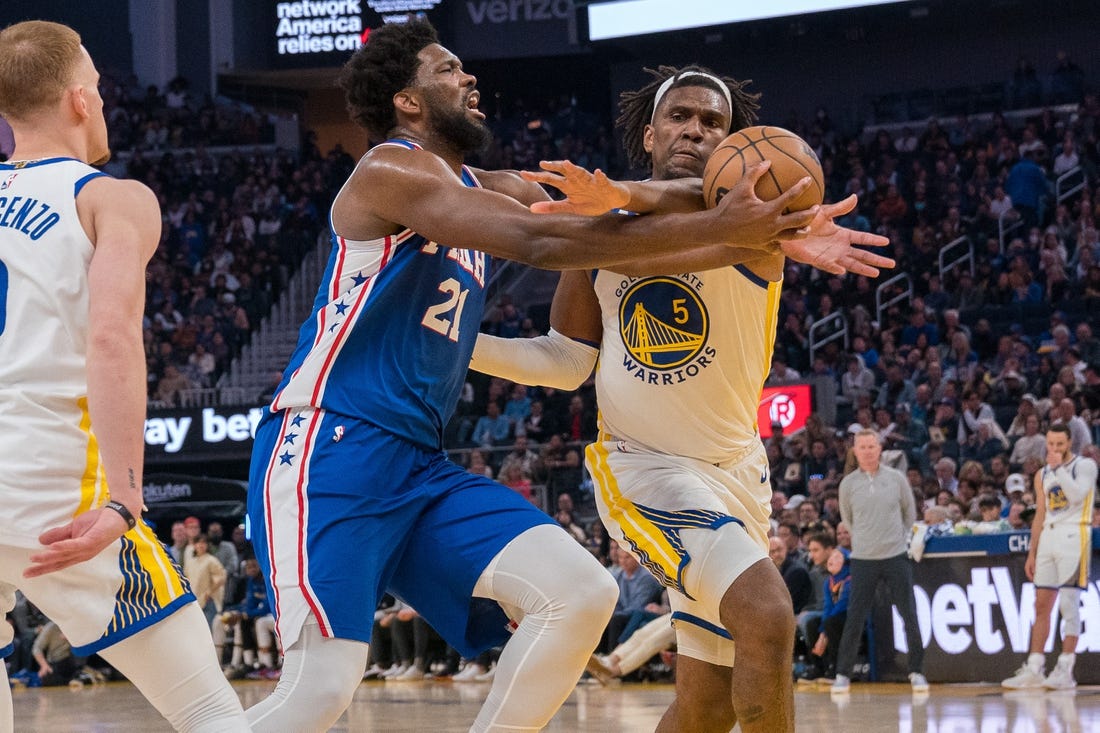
648, 538
93, 471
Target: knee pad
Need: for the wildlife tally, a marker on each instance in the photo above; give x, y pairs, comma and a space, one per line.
1069, 606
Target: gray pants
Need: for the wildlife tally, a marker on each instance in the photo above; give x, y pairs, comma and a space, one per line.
897, 574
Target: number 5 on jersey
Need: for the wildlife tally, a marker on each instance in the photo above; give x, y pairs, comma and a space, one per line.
444, 318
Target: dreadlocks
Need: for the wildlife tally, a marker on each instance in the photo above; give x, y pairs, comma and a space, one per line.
636, 108
383, 66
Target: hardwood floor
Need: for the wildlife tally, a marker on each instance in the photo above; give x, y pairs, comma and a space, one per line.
445, 707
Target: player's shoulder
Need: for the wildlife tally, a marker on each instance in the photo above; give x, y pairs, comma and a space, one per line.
119, 192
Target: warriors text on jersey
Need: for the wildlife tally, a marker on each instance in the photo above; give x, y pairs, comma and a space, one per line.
392, 331
694, 349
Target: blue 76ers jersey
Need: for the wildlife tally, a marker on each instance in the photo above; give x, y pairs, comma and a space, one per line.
391, 333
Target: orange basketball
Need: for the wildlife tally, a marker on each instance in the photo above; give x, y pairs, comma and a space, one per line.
792, 160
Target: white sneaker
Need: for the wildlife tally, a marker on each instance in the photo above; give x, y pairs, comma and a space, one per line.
468, 673
1060, 678
1024, 679
920, 684
841, 685
395, 671
487, 676
375, 671
412, 674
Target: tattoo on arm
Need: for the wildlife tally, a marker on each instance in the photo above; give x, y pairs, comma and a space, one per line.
133, 481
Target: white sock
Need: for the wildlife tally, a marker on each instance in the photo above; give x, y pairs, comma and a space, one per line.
1067, 659
1035, 662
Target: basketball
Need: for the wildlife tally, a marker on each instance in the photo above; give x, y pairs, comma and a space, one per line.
792, 160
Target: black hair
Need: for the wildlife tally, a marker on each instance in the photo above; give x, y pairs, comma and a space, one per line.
1060, 427
383, 66
636, 108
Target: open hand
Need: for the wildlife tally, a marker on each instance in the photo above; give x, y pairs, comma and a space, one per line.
832, 248
82, 539
586, 193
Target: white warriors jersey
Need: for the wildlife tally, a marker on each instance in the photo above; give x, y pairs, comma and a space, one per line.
684, 358
46, 444
1069, 492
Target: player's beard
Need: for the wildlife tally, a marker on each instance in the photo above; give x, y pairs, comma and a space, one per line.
462, 133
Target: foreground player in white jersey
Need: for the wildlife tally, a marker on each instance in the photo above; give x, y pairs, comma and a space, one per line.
1058, 558
73, 248
681, 471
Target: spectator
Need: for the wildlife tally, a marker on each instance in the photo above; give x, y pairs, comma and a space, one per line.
637, 589
207, 578
492, 428
794, 572
877, 504
828, 629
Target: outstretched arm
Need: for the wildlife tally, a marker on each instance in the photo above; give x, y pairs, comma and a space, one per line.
394, 188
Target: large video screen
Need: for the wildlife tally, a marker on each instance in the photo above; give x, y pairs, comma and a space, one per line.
638, 17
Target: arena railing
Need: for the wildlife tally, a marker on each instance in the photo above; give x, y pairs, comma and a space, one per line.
956, 254
883, 298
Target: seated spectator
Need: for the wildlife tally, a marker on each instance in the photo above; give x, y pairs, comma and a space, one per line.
171, 384
57, 665
637, 590
794, 572
991, 520
827, 629
492, 428
566, 519
512, 476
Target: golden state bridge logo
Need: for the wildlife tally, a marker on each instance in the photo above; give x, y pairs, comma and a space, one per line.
663, 323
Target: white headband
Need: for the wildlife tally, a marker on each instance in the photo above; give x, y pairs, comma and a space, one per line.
663, 89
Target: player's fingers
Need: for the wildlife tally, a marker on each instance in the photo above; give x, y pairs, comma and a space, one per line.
874, 260
840, 208
551, 207
552, 179
784, 201
56, 534
557, 166
788, 235
754, 172
798, 219
856, 267
867, 238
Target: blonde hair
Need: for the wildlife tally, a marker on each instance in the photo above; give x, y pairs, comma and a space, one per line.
37, 61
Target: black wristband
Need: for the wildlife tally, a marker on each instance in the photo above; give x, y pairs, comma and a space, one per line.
122, 512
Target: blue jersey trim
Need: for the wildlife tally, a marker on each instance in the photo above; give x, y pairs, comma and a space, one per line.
111, 639
21, 165
586, 342
6, 651
83, 181
701, 623
752, 276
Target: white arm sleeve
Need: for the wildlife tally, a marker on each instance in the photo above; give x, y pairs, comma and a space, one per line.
552, 360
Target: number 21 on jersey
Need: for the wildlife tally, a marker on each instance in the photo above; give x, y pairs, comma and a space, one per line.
445, 318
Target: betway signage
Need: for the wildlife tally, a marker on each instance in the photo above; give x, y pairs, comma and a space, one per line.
975, 616
200, 434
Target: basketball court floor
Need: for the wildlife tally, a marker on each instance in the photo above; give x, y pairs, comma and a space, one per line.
445, 707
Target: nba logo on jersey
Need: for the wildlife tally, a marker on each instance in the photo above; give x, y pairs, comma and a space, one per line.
8, 181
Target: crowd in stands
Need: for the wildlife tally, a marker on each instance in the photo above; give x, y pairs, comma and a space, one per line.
959, 380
